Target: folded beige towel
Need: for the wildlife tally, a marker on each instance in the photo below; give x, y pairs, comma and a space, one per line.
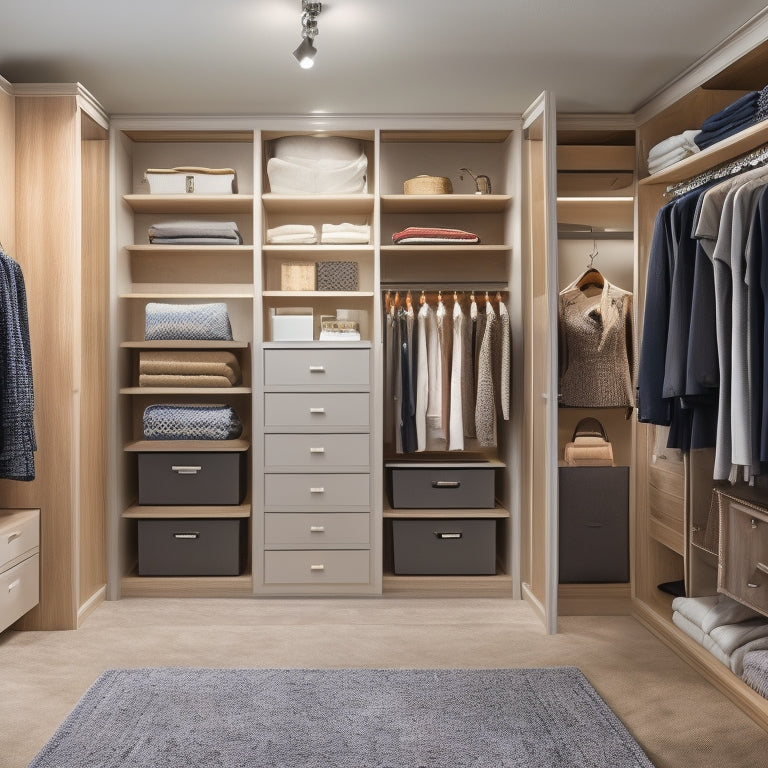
217, 363
590, 454
171, 380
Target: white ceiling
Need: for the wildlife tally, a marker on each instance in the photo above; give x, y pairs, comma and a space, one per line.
374, 56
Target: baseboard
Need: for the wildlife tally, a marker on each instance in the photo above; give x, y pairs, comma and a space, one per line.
91, 604
594, 600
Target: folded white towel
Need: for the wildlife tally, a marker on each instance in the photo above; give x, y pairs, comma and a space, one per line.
292, 233
673, 156
712, 611
729, 637
345, 233
684, 140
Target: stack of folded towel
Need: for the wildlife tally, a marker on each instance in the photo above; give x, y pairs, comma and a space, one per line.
726, 628
588, 451
755, 672
331, 234
292, 234
434, 236
734, 118
169, 421
672, 149
345, 233
189, 368
325, 165
195, 232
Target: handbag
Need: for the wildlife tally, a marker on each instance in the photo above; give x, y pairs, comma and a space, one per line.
589, 446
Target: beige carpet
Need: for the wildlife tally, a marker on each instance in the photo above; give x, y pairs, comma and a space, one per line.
679, 719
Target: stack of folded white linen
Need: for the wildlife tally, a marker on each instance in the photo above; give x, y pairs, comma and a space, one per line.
726, 628
345, 233
672, 149
195, 232
292, 234
324, 165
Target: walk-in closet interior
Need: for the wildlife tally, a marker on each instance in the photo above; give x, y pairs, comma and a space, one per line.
391, 386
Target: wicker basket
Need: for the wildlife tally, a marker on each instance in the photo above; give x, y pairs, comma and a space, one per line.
428, 185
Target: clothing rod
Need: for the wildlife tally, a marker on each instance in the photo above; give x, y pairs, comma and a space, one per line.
447, 286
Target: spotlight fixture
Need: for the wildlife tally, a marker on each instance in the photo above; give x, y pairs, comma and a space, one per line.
305, 53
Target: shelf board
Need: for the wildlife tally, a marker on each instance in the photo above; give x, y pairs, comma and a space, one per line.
604, 212
494, 136
156, 296
184, 344
307, 248
183, 446
186, 586
197, 391
446, 249
444, 203
316, 294
313, 204
446, 514
190, 203
203, 250
147, 512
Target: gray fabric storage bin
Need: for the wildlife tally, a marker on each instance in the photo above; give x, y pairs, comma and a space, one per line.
441, 486
594, 524
444, 547
192, 478
191, 547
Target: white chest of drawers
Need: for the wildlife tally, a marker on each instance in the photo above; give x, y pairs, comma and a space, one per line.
19, 563
317, 493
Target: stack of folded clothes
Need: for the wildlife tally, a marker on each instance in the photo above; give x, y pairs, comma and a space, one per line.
434, 236
309, 165
189, 368
168, 421
726, 628
672, 149
345, 233
195, 232
755, 672
190, 322
292, 234
734, 118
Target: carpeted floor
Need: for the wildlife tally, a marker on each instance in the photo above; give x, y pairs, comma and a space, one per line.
345, 718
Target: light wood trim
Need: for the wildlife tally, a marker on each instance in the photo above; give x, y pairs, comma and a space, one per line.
147, 512
185, 391
183, 344
186, 586
192, 446
160, 295
447, 586
189, 203
444, 203
594, 600
211, 251
426, 250
595, 157
88, 606
244, 137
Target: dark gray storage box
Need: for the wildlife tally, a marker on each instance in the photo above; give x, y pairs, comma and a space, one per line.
191, 547
444, 547
192, 478
594, 524
442, 486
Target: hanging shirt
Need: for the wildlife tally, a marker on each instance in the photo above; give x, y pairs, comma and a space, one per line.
485, 408
456, 429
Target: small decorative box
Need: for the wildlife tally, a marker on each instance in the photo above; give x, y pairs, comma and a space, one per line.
337, 275
191, 180
297, 276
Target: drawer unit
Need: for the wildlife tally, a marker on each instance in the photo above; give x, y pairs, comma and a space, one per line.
594, 524
191, 547
444, 547
19, 533
441, 486
19, 590
317, 451
309, 567
310, 367
743, 556
192, 478
317, 410
311, 491
332, 530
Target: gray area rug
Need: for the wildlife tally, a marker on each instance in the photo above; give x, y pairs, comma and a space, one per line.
344, 718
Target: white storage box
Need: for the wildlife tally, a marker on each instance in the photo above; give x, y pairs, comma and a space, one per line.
292, 324
191, 180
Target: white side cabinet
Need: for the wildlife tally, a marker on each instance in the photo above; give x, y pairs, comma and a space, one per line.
19, 563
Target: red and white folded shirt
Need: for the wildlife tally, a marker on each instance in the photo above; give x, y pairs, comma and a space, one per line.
433, 236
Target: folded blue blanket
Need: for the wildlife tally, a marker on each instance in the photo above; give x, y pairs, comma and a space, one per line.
707, 138
187, 322
733, 112
191, 422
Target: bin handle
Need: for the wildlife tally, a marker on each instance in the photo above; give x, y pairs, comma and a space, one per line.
446, 535
189, 535
446, 483
185, 470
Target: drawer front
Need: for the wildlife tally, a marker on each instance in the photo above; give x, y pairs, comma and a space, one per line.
193, 547
317, 450
19, 590
310, 367
743, 571
332, 491
436, 488
317, 409
319, 567
191, 478
19, 533
287, 530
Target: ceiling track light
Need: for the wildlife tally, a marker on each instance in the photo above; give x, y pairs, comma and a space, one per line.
305, 53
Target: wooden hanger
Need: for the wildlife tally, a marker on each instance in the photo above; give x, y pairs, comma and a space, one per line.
591, 276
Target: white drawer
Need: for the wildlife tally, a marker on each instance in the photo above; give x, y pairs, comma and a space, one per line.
321, 491
317, 366
19, 590
317, 409
328, 566
19, 533
317, 450
287, 530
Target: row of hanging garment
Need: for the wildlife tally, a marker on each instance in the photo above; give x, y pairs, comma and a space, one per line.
596, 343
17, 400
705, 341
447, 369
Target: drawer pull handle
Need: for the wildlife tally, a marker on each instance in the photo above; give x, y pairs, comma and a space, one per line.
752, 585
594, 525
316, 567
762, 567
317, 529
753, 522
14, 584
442, 535
319, 489
446, 483
317, 450
190, 535
317, 369
317, 410
186, 470
13, 536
